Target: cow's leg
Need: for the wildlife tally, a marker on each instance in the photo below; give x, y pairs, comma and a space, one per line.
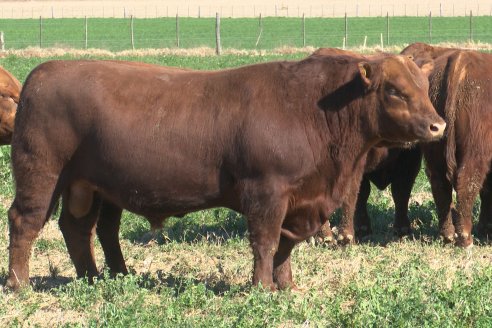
468, 184
401, 187
362, 220
265, 213
484, 226
324, 235
27, 215
282, 271
442, 190
346, 232
108, 227
79, 237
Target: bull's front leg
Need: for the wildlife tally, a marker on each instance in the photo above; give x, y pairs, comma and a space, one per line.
265, 214
282, 270
346, 230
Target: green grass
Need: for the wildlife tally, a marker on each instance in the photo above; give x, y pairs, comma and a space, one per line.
197, 270
240, 33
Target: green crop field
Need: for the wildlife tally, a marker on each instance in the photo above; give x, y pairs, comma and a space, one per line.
242, 33
196, 272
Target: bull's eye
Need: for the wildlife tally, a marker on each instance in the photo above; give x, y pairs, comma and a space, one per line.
393, 92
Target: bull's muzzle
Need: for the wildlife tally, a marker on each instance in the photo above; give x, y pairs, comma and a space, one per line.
437, 129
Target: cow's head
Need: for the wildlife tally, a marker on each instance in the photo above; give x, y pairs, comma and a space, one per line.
10, 89
405, 112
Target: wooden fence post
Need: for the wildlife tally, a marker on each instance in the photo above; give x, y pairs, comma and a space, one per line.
430, 26
260, 24
303, 30
131, 31
2, 41
471, 29
218, 49
177, 30
85, 32
387, 29
40, 32
346, 31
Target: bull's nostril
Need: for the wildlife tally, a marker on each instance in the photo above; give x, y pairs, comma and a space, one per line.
434, 128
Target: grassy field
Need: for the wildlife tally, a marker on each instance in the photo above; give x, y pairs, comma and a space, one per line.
241, 33
197, 270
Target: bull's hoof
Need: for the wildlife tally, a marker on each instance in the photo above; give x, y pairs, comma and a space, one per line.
448, 239
13, 284
324, 241
345, 239
464, 240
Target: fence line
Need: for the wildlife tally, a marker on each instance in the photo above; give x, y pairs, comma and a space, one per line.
266, 33
444, 9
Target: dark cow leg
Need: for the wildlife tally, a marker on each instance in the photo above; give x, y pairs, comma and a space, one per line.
27, 216
484, 227
264, 225
108, 227
361, 219
79, 237
346, 234
468, 184
282, 271
401, 188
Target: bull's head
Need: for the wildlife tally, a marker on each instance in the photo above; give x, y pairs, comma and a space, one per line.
10, 89
406, 113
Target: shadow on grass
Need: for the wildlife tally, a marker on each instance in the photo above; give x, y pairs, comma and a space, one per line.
214, 226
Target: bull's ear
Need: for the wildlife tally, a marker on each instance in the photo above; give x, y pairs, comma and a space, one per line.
427, 68
366, 73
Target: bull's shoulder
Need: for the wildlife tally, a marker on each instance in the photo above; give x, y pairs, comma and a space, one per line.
9, 85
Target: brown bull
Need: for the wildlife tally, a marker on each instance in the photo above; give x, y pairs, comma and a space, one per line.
10, 89
277, 142
460, 89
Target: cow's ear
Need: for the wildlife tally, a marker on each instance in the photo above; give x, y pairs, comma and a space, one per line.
427, 68
366, 73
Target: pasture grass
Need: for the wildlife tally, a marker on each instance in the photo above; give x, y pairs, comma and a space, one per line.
196, 271
114, 34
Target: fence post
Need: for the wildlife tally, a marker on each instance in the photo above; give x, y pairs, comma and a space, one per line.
303, 30
471, 30
387, 29
131, 29
346, 26
40, 32
430, 26
218, 49
2, 41
177, 30
260, 24
85, 32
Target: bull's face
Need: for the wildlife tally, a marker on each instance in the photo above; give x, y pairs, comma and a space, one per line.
405, 111
10, 90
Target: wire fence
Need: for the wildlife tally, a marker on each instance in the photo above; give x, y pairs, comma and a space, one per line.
116, 34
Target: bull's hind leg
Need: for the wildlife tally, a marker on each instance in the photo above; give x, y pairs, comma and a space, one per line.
346, 231
401, 187
442, 190
27, 215
108, 227
361, 219
470, 178
79, 233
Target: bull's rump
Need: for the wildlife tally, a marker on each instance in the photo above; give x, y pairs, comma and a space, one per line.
156, 140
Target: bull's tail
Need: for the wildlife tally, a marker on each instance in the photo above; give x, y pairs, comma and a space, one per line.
455, 74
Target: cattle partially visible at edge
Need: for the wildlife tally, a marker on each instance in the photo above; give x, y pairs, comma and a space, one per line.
277, 142
461, 91
10, 89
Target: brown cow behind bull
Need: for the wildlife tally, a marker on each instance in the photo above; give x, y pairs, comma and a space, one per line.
277, 142
460, 89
